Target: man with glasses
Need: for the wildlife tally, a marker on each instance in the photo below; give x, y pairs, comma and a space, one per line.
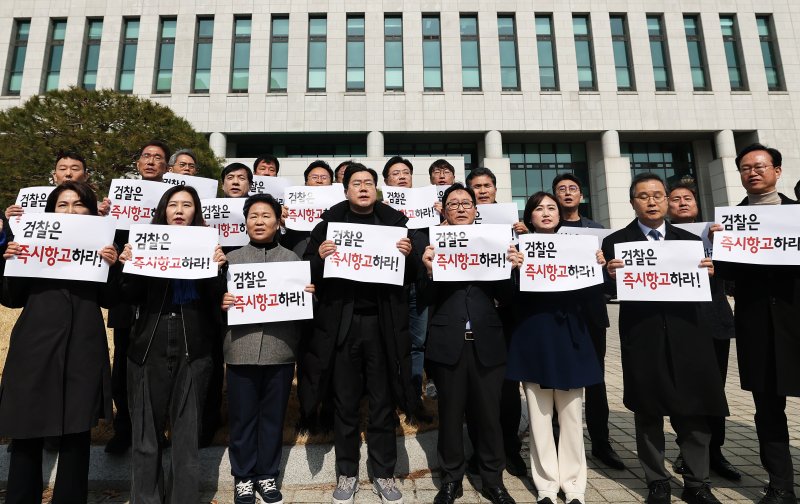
567, 188
767, 318
669, 366
318, 173
441, 172
183, 162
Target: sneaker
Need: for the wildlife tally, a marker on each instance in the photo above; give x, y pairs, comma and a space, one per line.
346, 488
387, 489
430, 390
267, 489
243, 492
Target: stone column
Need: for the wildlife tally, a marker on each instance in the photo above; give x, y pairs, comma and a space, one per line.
611, 179
500, 166
375, 145
219, 144
726, 186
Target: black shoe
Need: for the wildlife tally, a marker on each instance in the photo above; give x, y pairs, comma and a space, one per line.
575, 501
659, 492
608, 456
267, 489
720, 465
546, 500
776, 496
118, 444
679, 466
498, 495
243, 492
515, 465
448, 493
699, 495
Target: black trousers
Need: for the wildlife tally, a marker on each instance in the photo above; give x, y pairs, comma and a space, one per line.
72, 477
257, 399
694, 435
361, 359
773, 439
119, 382
212, 416
596, 399
471, 389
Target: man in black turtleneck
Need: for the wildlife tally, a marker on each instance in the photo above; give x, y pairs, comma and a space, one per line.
360, 338
766, 319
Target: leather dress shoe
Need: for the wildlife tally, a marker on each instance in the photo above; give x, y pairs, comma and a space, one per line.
608, 456
515, 465
720, 465
777, 496
659, 492
699, 495
679, 466
498, 495
448, 493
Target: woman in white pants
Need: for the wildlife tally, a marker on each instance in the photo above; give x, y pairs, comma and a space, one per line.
552, 354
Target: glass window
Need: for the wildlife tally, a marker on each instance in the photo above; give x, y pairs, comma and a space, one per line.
127, 66
58, 30
769, 52
91, 55
431, 54
582, 32
658, 53
470, 53
546, 50
355, 52
393, 53
509, 70
317, 53
697, 53
204, 38
622, 52
166, 55
673, 162
279, 54
733, 52
240, 62
19, 49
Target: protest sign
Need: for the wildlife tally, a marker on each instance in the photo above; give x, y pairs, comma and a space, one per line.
225, 215
469, 252
56, 245
181, 252
415, 203
699, 229
276, 186
440, 189
366, 253
762, 234
662, 271
205, 187
554, 262
599, 233
269, 292
32, 200
134, 201
305, 204
497, 213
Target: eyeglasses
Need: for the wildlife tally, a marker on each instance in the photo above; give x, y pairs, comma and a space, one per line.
759, 169
657, 197
183, 164
568, 189
362, 183
319, 178
155, 157
441, 171
466, 205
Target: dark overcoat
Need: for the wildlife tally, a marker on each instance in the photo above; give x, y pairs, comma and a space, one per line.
57, 376
767, 317
668, 361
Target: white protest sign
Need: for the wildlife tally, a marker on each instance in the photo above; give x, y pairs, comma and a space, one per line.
56, 245
414, 203
134, 200
469, 252
497, 213
205, 187
32, 200
599, 233
440, 189
184, 252
269, 292
699, 229
662, 271
554, 262
225, 215
366, 253
762, 234
305, 204
276, 186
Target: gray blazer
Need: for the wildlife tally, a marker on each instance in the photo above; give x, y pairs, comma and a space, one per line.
262, 344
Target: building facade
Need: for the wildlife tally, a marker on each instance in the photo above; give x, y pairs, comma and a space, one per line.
604, 89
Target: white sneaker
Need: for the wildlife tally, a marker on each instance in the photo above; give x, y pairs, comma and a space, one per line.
387, 489
346, 488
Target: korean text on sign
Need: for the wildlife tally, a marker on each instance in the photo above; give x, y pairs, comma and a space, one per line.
205, 187
554, 262
134, 201
305, 205
32, 200
185, 252
415, 203
764, 234
465, 253
269, 292
366, 253
225, 215
662, 271
276, 186
54, 245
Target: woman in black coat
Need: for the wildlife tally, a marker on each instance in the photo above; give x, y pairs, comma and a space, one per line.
57, 379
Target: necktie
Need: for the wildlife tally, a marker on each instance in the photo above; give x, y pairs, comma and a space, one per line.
654, 234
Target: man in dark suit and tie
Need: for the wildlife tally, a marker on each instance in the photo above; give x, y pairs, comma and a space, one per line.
668, 362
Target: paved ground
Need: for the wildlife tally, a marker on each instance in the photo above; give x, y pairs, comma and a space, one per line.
605, 485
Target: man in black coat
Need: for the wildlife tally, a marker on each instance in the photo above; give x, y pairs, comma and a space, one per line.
466, 352
668, 362
360, 337
767, 318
